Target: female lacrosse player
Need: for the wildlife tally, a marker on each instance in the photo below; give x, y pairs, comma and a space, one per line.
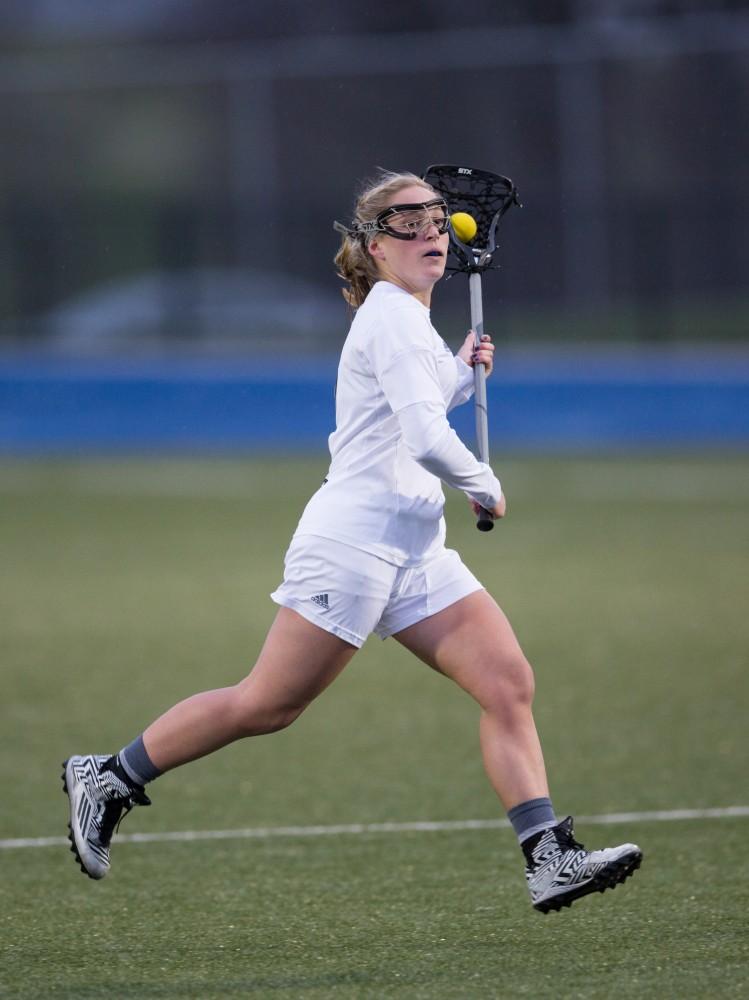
369, 555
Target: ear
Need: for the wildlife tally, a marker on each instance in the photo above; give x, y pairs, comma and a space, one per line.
375, 249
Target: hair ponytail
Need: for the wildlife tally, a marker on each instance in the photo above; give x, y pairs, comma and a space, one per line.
355, 265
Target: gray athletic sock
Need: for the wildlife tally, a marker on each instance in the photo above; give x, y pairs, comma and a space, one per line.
137, 764
531, 817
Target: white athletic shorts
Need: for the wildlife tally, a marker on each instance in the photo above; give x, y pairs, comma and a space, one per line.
352, 593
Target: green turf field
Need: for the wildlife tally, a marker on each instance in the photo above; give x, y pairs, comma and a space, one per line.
125, 586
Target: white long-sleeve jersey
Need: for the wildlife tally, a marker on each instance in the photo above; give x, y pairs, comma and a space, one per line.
393, 446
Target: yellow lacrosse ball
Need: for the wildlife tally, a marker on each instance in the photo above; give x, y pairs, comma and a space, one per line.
464, 226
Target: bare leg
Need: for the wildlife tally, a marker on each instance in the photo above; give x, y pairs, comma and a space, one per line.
297, 662
472, 642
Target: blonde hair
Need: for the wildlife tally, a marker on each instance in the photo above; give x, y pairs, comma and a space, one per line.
354, 263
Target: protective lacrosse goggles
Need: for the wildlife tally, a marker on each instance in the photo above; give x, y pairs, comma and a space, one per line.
403, 222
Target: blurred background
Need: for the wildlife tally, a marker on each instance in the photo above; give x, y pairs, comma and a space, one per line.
171, 170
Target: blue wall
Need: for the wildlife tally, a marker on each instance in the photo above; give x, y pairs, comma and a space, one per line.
546, 401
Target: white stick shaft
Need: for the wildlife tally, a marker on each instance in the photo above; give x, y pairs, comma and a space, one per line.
479, 372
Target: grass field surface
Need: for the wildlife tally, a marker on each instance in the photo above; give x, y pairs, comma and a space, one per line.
127, 585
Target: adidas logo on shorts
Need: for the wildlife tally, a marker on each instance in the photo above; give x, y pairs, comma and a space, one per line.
322, 601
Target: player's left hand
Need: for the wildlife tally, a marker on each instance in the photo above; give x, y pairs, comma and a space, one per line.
499, 511
484, 355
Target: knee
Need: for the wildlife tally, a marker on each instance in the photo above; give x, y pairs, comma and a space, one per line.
510, 685
253, 717
273, 720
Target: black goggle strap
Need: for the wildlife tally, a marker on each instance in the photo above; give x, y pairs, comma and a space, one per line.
359, 230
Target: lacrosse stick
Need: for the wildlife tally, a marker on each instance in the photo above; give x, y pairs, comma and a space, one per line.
485, 197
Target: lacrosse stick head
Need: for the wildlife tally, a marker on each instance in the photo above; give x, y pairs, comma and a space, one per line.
483, 195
